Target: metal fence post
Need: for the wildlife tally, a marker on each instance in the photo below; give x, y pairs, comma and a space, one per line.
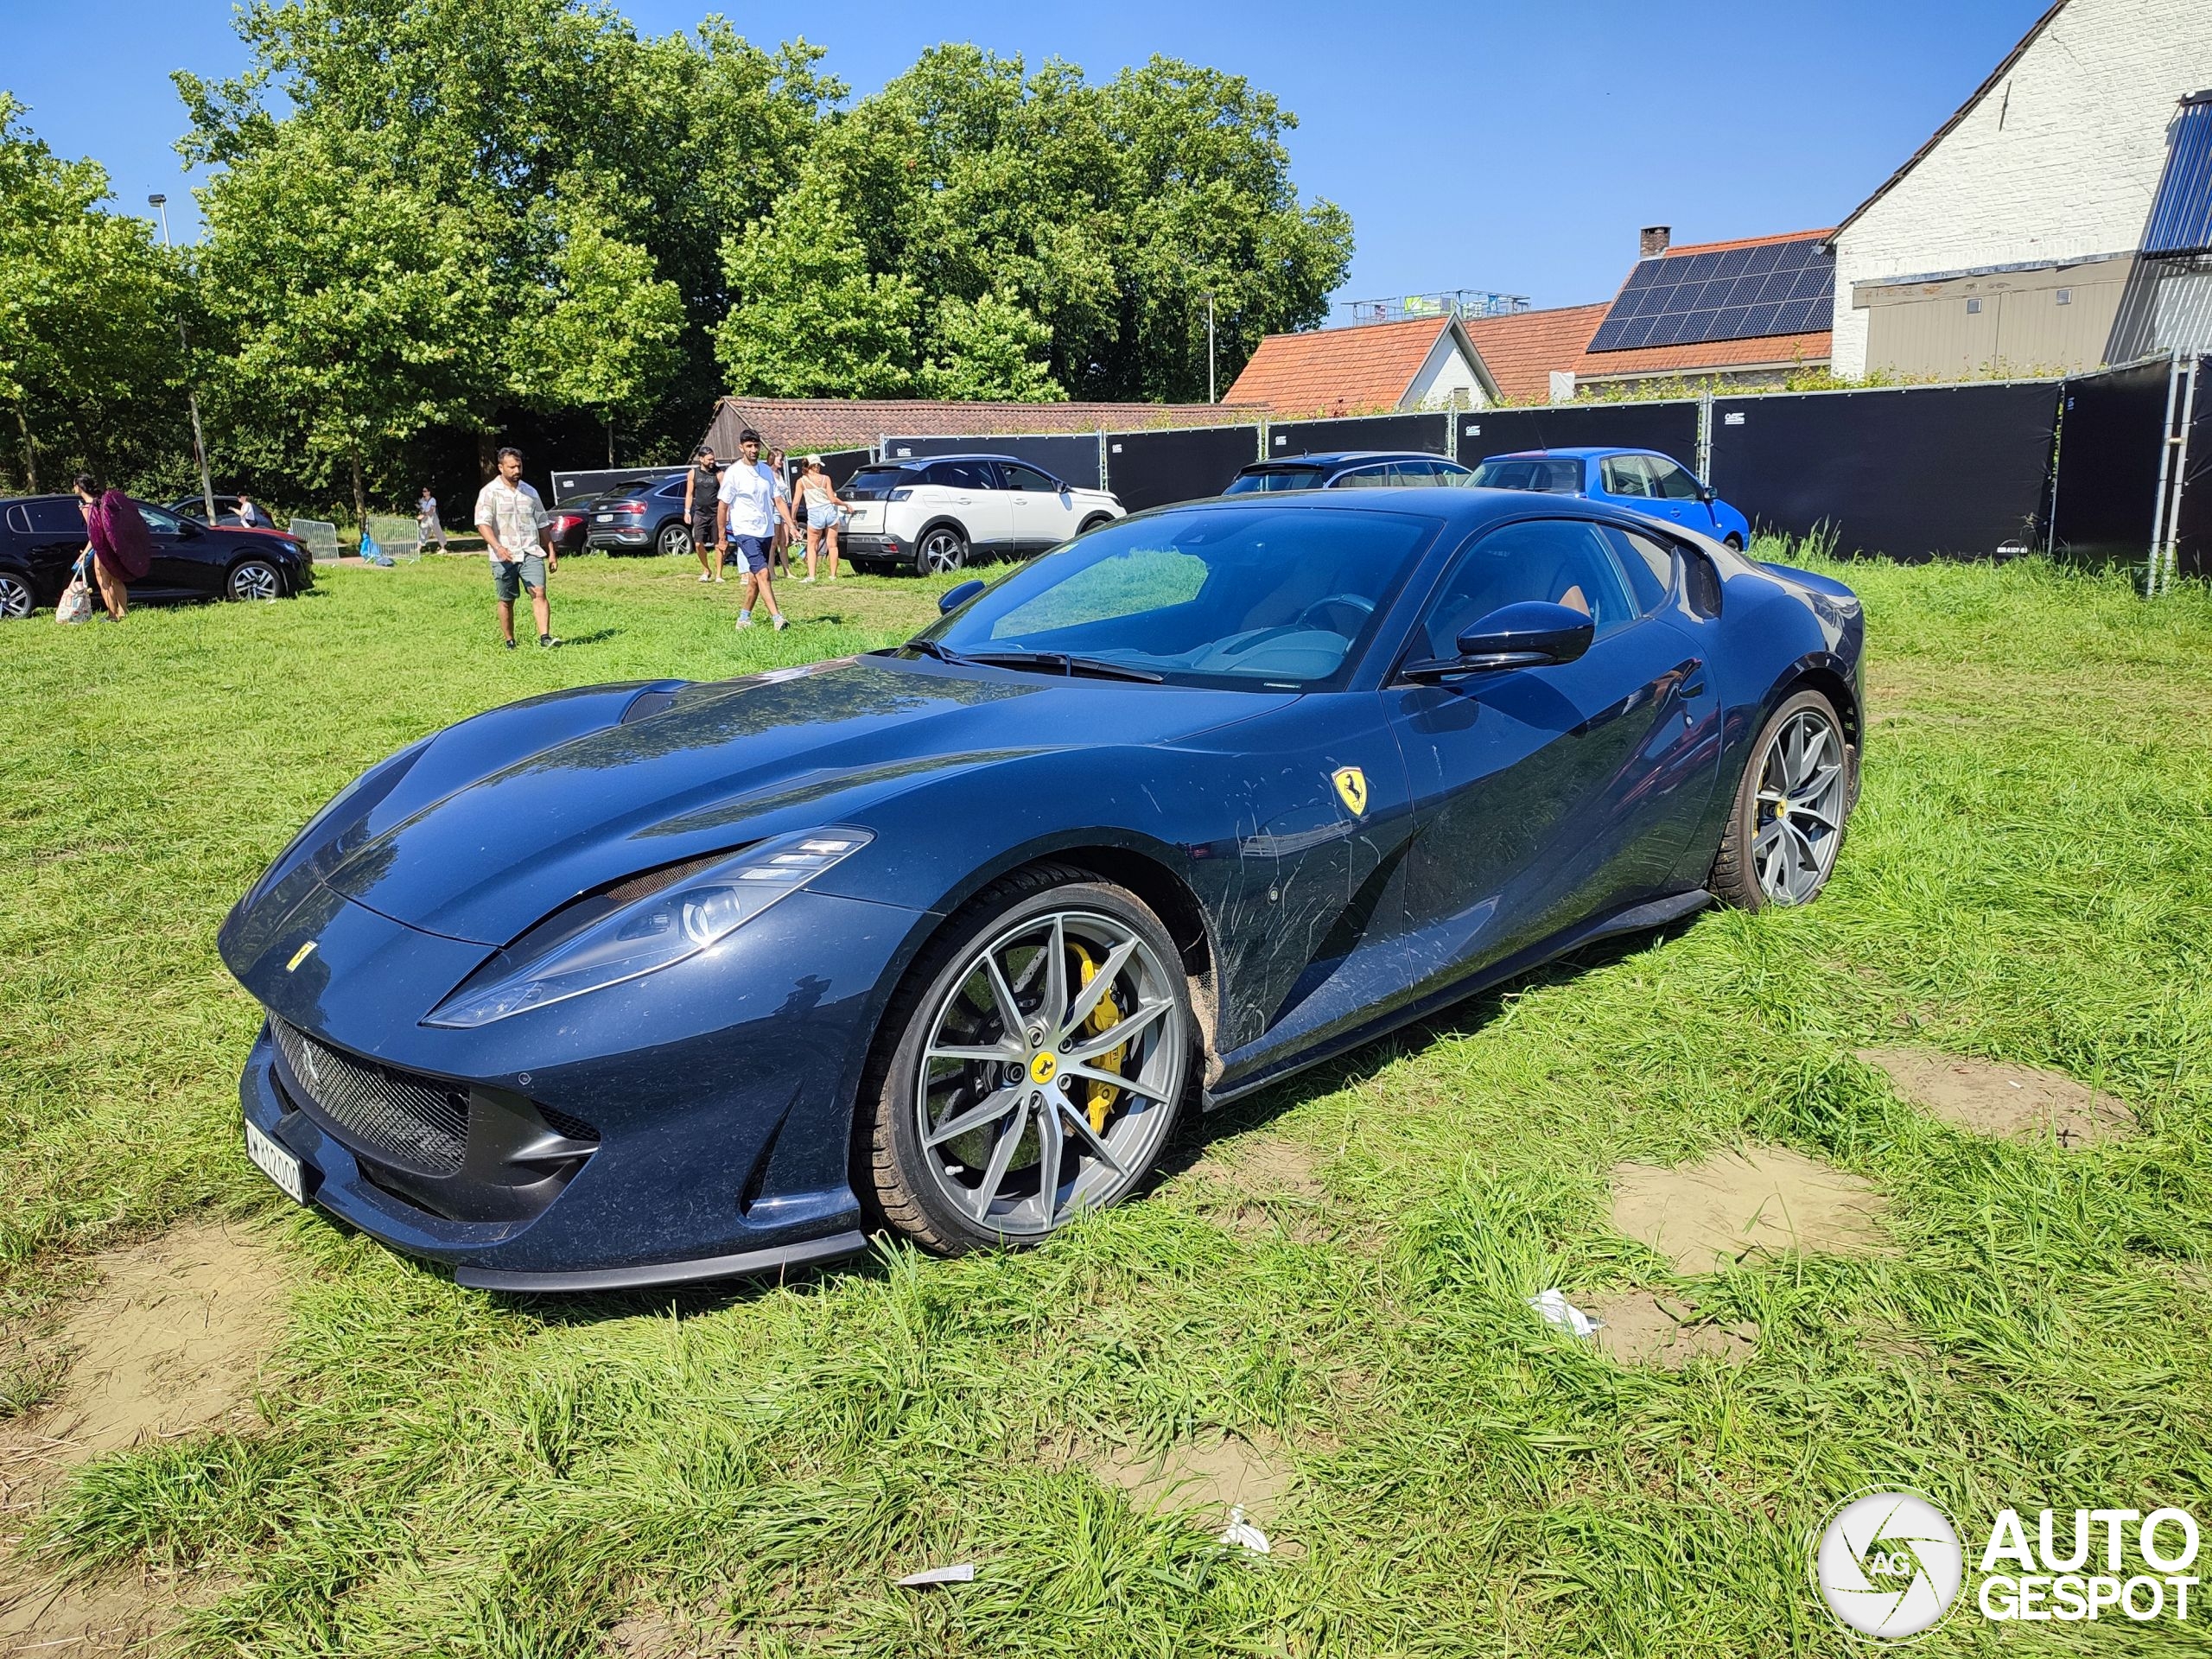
1704, 435
2168, 559
2165, 462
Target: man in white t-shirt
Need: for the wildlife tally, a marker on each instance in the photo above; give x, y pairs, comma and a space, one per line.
516, 529
746, 511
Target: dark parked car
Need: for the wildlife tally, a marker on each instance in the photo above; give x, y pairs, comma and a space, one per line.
571, 523
944, 938
1349, 469
41, 537
643, 516
226, 510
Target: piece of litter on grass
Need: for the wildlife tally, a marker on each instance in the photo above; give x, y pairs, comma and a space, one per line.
1243, 1534
1557, 1310
964, 1573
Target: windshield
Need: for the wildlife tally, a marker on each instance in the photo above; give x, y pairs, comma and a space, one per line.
1275, 597
1519, 472
874, 483
1277, 478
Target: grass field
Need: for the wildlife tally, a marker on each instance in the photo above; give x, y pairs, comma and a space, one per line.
1336, 1279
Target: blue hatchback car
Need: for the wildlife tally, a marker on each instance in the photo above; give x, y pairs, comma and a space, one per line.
1642, 481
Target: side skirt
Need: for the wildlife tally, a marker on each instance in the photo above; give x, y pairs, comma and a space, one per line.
1636, 918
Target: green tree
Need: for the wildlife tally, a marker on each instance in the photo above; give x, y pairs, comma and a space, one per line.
606, 338
809, 320
90, 360
992, 349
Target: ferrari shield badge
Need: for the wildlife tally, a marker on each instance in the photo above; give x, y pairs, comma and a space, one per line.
307, 950
1351, 788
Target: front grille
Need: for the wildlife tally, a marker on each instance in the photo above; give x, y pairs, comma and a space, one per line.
422, 1121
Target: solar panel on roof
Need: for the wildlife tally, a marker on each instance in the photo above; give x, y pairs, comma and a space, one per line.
2181, 213
1774, 288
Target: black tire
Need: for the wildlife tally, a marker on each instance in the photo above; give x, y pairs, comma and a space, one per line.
868, 567
251, 579
17, 598
1094, 521
912, 1187
1740, 870
942, 550
1732, 540
674, 541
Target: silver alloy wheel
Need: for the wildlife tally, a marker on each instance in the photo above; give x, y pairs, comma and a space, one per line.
1804, 785
1060, 1016
254, 580
677, 540
941, 551
15, 596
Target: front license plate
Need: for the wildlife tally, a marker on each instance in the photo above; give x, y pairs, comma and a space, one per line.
278, 1165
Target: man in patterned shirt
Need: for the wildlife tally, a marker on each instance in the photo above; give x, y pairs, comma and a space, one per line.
516, 528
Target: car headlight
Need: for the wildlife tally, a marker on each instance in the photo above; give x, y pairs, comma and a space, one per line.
690, 918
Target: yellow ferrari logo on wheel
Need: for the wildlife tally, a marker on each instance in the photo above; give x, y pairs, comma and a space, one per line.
1042, 1068
1351, 788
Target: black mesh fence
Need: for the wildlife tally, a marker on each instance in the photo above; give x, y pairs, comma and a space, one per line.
1071, 457
1151, 469
1669, 428
2194, 522
581, 486
1915, 472
1430, 434
2109, 437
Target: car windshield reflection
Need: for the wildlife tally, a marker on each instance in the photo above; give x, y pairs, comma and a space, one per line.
1257, 598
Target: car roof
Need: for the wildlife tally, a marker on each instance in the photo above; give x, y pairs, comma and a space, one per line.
1579, 452
1465, 509
1344, 457
965, 455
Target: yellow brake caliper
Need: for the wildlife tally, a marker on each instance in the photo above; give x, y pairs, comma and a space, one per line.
1099, 1096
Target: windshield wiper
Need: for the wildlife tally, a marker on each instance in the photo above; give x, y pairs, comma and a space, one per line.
1097, 668
942, 653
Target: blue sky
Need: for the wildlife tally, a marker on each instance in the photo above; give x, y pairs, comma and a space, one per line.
1510, 146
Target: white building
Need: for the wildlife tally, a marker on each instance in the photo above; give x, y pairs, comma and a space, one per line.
2013, 240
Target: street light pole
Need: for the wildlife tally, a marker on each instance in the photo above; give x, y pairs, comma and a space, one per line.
160, 204
1209, 397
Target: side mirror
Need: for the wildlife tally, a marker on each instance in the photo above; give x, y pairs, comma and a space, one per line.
954, 597
1705, 494
1530, 634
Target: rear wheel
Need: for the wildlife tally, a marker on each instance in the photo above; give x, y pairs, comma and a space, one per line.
1037, 1057
941, 549
1787, 824
16, 601
253, 579
675, 540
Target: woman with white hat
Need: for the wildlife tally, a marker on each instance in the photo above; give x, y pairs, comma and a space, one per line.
819, 498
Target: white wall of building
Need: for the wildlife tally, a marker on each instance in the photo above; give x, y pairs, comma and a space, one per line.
1447, 379
2059, 160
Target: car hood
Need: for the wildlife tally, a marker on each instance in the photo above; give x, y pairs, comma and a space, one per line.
663, 776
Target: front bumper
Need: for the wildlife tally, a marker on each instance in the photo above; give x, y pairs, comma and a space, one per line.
695, 1130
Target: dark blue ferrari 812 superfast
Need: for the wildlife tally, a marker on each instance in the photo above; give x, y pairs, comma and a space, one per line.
641, 983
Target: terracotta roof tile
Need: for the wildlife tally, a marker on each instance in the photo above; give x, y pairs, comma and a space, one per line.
804, 424
1338, 371
1769, 351
1523, 349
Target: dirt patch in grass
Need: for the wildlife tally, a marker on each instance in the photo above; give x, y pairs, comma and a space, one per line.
2007, 1102
1641, 1329
1262, 1183
1723, 1209
1207, 1478
107, 1615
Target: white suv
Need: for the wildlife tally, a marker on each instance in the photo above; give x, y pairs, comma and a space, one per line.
940, 513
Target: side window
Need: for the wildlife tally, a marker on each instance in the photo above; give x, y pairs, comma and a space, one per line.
59, 517
1020, 476
1413, 475
1365, 478
963, 475
1668, 480
1560, 560
1624, 475
1561, 478
1451, 475
159, 522
1648, 565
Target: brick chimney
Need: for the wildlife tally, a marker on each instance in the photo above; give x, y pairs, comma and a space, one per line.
1651, 241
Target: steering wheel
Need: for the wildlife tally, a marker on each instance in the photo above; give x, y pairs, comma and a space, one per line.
1357, 602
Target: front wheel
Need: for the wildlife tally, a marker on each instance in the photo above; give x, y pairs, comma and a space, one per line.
1037, 1057
943, 549
1733, 541
254, 579
1094, 521
1787, 824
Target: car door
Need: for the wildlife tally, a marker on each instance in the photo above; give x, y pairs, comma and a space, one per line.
1546, 795
188, 559
1626, 479
50, 532
1676, 488
1043, 510
968, 491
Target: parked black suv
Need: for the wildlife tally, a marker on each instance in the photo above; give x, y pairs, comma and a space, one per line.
41, 537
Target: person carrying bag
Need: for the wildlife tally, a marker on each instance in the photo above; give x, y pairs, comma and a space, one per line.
77, 598
121, 548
